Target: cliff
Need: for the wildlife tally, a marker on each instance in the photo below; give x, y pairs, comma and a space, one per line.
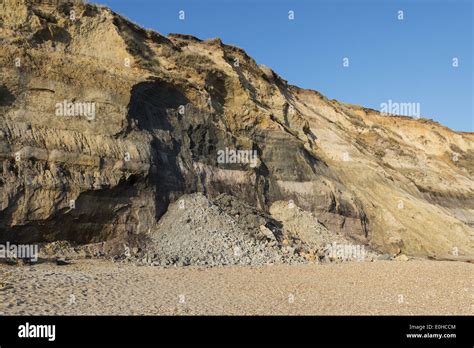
149, 115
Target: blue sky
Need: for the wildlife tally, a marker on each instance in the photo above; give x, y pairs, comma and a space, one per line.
407, 60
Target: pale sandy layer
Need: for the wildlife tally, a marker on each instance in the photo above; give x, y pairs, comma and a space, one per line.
100, 287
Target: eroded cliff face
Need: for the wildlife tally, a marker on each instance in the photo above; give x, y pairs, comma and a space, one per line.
163, 109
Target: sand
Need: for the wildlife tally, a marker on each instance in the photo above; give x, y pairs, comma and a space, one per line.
92, 287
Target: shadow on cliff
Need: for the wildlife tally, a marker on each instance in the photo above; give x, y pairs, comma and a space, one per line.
6, 97
94, 218
153, 108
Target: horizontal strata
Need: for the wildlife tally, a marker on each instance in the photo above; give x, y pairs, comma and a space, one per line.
165, 107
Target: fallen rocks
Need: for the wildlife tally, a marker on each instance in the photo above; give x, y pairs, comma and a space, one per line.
384, 257
401, 257
267, 233
200, 232
62, 261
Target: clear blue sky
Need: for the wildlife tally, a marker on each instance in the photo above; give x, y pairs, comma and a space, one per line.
389, 59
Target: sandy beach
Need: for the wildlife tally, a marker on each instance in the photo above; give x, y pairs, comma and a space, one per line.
92, 287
